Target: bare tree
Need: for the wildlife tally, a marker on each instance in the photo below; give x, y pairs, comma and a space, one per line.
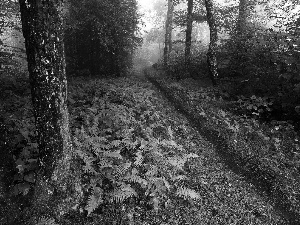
211, 54
42, 24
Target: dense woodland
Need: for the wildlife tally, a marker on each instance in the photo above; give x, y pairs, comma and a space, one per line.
194, 120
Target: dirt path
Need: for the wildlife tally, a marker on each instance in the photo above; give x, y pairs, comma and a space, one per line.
228, 197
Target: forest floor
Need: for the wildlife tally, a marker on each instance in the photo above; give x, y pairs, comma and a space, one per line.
265, 155
213, 168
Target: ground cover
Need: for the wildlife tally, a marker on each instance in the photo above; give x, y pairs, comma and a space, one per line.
267, 154
142, 162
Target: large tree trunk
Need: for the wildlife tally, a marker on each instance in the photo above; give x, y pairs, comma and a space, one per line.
188, 39
211, 54
168, 35
42, 24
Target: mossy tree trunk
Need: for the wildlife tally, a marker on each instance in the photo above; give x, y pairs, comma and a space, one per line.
188, 39
42, 24
211, 54
168, 35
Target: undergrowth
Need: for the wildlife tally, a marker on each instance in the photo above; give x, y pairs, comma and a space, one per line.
271, 148
135, 167
128, 151
129, 155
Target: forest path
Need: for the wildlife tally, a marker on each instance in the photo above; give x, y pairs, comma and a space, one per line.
226, 197
216, 175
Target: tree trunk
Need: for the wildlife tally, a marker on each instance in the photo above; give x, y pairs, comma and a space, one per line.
211, 54
42, 24
168, 35
188, 39
240, 35
242, 18
159, 49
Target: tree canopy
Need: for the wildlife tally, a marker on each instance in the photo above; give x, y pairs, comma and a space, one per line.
101, 36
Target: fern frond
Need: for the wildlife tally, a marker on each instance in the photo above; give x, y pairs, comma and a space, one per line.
139, 158
122, 169
88, 168
191, 155
99, 139
170, 132
46, 221
115, 143
105, 163
113, 154
88, 160
177, 161
155, 202
136, 179
77, 143
166, 183
179, 177
187, 193
94, 200
80, 153
122, 193
172, 144
161, 185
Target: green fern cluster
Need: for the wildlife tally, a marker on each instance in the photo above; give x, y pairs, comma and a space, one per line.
121, 154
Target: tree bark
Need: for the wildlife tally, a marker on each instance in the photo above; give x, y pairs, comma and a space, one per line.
242, 18
42, 24
240, 35
168, 35
188, 39
211, 54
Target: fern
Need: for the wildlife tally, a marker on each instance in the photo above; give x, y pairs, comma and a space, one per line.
110, 154
179, 178
187, 193
88, 168
105, 163
118, 150
121, 169
46, 221
177, 162
155, 202
122, 193
157, 186
191, 155
152, 171
135, 178
139, 158
94, 200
